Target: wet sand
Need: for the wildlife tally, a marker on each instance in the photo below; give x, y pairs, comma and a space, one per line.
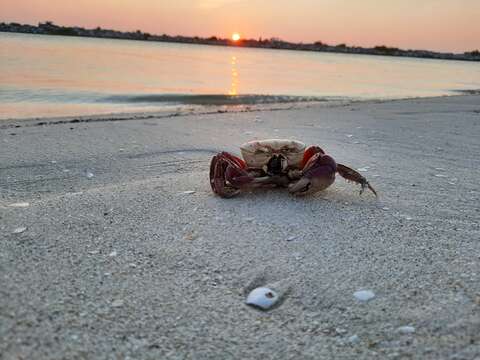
120, 260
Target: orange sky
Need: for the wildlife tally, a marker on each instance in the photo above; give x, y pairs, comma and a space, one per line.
443, 25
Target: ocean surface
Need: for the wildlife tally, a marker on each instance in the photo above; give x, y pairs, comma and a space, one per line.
44, 76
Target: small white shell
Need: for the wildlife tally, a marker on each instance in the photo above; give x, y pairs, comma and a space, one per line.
262, 297
406, 329
117, 303
354, 339
20, 205
364, 295
19, 230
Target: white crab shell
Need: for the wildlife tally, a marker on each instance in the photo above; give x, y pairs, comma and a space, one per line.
257, 153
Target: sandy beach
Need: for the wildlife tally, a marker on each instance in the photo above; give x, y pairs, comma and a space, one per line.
112, 245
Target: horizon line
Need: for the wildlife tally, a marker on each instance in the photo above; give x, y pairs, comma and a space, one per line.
260, 39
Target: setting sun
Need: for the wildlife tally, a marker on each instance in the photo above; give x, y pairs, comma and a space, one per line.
235, 36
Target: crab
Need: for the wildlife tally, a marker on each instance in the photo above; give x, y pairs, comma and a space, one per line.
279, 162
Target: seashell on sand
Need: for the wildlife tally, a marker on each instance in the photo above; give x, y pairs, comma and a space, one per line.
19, 230
364, 295
263, 298
20, 205
406, 329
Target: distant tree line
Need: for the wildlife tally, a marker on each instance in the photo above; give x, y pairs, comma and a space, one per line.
49, 28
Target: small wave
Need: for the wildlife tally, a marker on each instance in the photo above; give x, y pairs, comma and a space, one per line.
215, 100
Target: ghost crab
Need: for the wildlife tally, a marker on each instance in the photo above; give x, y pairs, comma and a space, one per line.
278, 162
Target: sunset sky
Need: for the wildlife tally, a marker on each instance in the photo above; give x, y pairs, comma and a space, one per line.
442, 25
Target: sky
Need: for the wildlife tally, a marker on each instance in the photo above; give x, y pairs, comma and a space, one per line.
441, 25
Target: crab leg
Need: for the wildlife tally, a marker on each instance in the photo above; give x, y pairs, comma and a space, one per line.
353, 175
228, 174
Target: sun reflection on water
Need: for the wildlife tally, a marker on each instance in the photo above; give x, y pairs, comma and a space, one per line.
234, 76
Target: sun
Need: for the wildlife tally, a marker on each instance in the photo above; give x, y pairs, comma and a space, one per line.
236, 36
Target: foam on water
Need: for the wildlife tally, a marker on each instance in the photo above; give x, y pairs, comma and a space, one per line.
210, 99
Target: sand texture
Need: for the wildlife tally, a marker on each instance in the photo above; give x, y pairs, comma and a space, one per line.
112, 245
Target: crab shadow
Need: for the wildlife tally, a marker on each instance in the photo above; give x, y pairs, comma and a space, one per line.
337, 195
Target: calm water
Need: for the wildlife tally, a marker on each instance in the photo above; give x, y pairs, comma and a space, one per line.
56, 76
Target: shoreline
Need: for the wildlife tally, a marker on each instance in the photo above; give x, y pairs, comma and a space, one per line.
112, 244
208, 110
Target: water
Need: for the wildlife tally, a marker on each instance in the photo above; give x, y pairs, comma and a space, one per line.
59, 76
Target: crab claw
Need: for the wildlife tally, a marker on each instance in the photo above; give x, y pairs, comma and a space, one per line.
317, 174
228, 174
353, 175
